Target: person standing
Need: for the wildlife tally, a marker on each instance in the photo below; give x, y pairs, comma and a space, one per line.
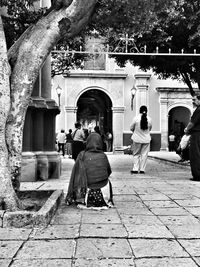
141, 127
61, 139
193, 129
172, 141
108, 140
78, 140
69, 141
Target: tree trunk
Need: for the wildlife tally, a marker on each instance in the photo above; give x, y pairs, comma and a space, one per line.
27, 58
8, 198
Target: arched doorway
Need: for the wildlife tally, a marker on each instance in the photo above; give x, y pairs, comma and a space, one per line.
178, 120
95, 108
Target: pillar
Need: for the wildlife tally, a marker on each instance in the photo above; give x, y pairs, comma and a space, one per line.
164, 123
70, 117
118, 126
142, 85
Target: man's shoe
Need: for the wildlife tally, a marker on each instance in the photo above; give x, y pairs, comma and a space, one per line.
142, 172
132, 172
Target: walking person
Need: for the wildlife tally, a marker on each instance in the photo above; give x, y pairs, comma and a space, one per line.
61, 139
172, 141
69, 140
89, 185
193, 129
141, 127
108, 141
78, 140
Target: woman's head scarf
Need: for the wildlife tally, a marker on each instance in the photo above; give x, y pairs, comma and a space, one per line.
94, 143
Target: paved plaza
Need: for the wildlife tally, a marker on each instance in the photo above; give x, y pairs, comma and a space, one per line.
155, 222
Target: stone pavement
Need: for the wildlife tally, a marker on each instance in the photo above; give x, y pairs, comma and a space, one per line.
155, 222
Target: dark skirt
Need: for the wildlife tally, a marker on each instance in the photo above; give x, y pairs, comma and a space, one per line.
195, 155
77, 147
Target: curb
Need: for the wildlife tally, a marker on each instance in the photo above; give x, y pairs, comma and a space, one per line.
29, 219
170, 161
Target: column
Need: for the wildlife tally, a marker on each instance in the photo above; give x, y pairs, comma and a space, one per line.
118, 126
142, 96
142, 85
70, 117
164, 123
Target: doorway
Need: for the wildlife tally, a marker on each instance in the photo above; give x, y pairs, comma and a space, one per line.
178, 120
95, 109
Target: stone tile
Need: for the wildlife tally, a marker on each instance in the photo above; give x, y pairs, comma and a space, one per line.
185, 231
42, 263
169, 211
197, 259
57, 232
14, 233
161, 204
126, 198
154, 197
91, 248
194, 211
124, 190
148, 231
140, 219
157, 248
130, 205
47, 249
191, 246
103, 230
103, 218
165, 262
135, 211
67, 219
104, 263
5, 263
9, 248
189, 202
179, 220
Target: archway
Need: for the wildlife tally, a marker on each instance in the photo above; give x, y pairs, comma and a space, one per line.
95, 108
178, 120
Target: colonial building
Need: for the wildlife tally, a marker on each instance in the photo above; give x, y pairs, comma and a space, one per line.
109, 96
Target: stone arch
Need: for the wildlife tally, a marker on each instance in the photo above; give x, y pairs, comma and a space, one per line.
94, 108
178, 118
93, 88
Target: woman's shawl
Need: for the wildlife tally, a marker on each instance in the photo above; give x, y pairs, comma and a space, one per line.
91, 169
96, 162
78, 181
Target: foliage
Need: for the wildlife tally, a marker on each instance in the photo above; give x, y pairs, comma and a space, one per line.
20, 14
172, 24
166, 24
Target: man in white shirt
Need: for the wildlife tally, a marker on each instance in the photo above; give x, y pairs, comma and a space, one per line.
61, 139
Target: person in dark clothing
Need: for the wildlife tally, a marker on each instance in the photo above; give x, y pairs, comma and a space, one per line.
193, 129
78, 140
89, 181
69, 140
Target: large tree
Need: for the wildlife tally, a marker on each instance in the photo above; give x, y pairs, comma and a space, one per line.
172, 24
26, 56
163, 26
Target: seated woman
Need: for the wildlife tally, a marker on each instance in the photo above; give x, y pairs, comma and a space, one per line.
89, 185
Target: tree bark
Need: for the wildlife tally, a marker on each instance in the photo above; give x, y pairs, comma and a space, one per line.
8, 197
27, 57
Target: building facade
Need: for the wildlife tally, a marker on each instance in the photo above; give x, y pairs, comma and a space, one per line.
103, 96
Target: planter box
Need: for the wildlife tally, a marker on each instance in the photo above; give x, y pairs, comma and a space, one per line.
40, 217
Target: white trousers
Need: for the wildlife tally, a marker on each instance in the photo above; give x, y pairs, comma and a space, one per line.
140, 154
